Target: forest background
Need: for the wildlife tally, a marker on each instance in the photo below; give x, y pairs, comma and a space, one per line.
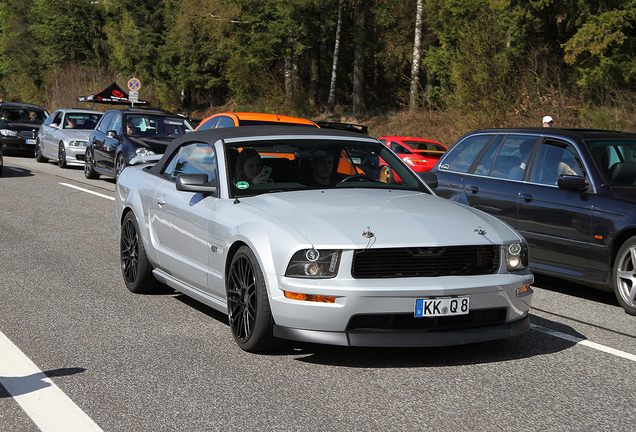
429, 68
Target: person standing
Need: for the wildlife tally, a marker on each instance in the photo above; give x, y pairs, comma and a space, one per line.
548, 121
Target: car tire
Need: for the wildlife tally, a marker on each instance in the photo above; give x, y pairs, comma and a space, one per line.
89, 169
38, 152
135, 267
624, 276
120, 164
248, 308
61, 156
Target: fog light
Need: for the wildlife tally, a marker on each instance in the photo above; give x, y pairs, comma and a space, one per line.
309, 297
514, 262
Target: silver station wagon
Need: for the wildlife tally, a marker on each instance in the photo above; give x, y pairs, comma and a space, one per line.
289, 232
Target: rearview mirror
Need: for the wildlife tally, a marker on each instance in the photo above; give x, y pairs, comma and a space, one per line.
196, 183
572, 183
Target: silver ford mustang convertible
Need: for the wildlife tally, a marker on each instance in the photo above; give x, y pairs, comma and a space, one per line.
289, 231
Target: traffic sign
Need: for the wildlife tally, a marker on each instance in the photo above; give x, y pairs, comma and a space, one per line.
133, 96
134, 84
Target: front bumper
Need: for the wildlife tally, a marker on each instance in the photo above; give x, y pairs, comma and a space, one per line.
75, 155
18, 143
380, 312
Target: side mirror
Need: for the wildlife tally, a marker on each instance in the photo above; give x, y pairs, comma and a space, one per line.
112, 134
429, 178
196, 183
572, 183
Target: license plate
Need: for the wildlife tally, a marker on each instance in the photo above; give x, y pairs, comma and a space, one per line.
30, 141
441, 307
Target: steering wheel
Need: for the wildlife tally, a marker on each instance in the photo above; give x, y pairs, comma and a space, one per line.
357, 178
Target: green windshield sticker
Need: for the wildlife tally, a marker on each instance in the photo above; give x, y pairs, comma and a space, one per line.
242, 185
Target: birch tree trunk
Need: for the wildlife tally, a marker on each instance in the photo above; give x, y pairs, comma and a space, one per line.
415, 69
332, 89
359, 51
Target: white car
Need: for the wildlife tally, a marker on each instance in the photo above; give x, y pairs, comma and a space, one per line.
239, 219
64, 136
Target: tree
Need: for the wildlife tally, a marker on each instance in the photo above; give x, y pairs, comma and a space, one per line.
415, 70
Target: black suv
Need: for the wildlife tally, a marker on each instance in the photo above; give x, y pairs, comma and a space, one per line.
19, 125
122, 135
570, 192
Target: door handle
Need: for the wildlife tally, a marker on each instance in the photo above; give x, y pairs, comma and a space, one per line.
161, 201
472, 189
526, 197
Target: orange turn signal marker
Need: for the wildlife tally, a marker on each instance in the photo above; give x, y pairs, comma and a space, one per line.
523, 290
309, 297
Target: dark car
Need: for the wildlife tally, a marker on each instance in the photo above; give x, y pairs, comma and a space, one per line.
570, 192
19, 125
122, 135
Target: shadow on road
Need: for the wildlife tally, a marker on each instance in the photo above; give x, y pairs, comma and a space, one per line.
529, 344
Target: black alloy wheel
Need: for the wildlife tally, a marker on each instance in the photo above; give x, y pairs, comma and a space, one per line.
89, 169
248, 308
61, 156
120, 165
135, 267
38, 152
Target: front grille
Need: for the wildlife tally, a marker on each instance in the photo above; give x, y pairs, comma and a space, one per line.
400, 322
27, 134
425, 261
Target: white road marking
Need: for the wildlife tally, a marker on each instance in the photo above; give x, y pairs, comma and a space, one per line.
88, 191
585, 342
49, 408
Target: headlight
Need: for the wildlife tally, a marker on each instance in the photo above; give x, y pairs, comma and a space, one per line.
312, 263
516, 256
143, 151
9, 132
78, 143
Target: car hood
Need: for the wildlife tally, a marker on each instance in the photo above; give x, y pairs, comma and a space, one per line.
77, 134
340, 218
156, 144
21, 125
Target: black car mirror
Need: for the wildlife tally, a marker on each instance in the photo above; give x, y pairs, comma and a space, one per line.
572, 183
112, 134
196, 183
429, 178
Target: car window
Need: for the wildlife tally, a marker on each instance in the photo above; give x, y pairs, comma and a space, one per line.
209, 124
103, 126
555, 158
115, 125
194, 158
401, 149
616, 160
225, 122
512, 157
463, 154
57, 118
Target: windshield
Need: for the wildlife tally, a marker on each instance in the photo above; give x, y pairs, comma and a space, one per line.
156, 126
299, 163
23, 115
85, 121
616, 160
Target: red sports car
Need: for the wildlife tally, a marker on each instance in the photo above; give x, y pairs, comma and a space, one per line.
421, 154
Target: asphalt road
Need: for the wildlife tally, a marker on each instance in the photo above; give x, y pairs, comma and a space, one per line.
167, 363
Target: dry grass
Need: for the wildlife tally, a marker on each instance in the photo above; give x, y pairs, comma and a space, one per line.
445, 126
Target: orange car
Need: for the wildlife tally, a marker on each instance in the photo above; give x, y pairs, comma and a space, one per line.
222, 120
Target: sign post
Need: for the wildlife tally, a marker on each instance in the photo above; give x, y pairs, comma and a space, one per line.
133, 85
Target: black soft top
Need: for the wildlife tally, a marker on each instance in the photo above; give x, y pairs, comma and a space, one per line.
210, 136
